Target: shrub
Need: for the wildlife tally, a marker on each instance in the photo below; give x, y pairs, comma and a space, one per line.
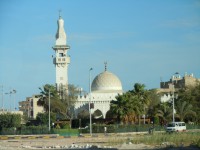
8, 120
65, 126
34, 130
57, 126
156, 120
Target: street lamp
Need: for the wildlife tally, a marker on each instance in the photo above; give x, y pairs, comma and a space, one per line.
14, 92
144, 115
173, 100
49, 111
2, 98
90, 101
173, 89
11, 92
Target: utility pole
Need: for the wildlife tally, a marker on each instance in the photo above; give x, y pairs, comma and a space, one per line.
173, 90
90, 101
173, 99
49, 111
14, 93
2, 98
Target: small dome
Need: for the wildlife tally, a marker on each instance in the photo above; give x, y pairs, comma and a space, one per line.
106, 82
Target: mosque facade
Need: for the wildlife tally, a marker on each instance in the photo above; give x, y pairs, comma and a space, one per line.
104, 88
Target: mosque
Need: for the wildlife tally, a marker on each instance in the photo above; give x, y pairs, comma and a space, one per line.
104, 88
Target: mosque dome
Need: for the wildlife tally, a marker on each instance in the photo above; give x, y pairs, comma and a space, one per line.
106, 82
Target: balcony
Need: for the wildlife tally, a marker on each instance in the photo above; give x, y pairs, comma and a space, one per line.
61, 60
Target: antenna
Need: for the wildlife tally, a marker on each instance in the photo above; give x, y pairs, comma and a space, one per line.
105, 63
60, 13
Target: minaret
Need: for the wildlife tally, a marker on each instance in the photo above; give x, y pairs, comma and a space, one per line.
61, 59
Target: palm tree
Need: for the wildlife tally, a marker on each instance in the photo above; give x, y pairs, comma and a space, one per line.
153, 104
165, 112
141, 98
133, 107
139, 90
184, 109
191, 95
119, 107
57, 106
130, 104
44, 95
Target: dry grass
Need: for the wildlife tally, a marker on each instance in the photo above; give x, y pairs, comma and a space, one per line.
176, 139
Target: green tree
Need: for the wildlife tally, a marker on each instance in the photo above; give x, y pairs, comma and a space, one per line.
191, 95
69, 99
164, 112
131, 104
184, 110
84, 114
60, 102
56, 104
140, 92
8, 120
154, 101
141, 97
44, 97
119, 107
43, 118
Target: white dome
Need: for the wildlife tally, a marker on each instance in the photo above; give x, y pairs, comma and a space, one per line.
106, 82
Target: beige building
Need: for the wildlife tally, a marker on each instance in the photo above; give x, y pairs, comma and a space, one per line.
12, 112
30, 108
175, 83
180, 82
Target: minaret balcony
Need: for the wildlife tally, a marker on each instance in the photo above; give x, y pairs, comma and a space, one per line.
61, 47
61, 60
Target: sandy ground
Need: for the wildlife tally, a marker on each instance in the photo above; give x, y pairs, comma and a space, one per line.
77, 143
66, 143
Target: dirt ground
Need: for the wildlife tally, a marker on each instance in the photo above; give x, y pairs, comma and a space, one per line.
111, 142
67, 143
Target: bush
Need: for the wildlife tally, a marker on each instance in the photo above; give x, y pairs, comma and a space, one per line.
57, 126
26, 130
65, 126
156, 120
8, 120
43, 118
9, 131
99, 128
65, 132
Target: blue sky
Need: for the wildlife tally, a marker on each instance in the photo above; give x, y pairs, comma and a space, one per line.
142, 41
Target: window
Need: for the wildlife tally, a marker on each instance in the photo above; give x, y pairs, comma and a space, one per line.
31, 103
61, 55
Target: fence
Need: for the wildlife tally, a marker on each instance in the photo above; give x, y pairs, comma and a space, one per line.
34, 130
96, 128
99, 128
